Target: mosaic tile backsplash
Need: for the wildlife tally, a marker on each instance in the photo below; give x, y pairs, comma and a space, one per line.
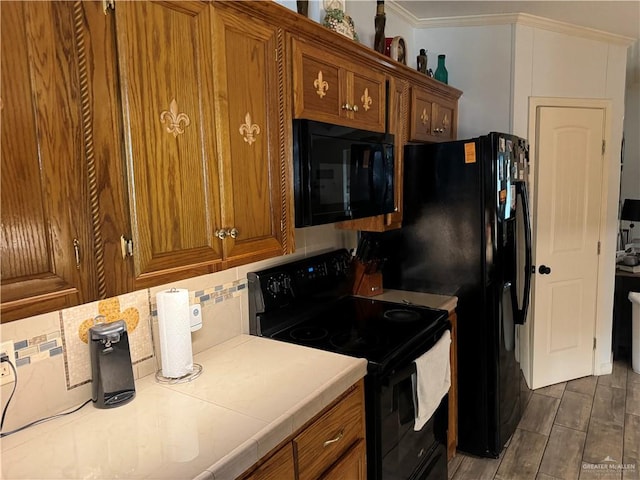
137, 309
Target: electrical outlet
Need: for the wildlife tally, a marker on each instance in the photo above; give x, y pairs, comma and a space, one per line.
6, 372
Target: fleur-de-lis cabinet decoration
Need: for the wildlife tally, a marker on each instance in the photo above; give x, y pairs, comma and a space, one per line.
424, 117
249, 130
175, 121
321, 85
366, 100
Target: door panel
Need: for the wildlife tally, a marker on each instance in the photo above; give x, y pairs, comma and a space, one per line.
317, 85
45, 196
369, 98
248, 101
169, 133
569, 188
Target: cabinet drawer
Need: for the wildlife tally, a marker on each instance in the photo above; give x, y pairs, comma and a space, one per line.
318, 447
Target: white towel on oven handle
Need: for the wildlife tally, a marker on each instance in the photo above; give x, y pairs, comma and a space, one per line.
432, 379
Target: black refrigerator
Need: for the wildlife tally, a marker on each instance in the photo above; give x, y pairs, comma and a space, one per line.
466, 232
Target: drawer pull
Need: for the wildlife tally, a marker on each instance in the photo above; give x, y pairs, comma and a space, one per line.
334, 440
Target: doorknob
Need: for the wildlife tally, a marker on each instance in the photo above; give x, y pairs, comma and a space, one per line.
544, 270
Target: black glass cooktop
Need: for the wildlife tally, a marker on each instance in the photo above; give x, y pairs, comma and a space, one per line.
366, 328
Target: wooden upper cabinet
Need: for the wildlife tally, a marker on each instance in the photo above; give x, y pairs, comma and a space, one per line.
252, 115
47, 249
433, 119
331, 89
165, 54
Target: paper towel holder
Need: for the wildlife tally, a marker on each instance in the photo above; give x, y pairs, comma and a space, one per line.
195, 319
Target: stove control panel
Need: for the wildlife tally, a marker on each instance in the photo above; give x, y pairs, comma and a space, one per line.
293, 282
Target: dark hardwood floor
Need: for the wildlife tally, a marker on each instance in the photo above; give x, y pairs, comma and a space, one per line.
587, 428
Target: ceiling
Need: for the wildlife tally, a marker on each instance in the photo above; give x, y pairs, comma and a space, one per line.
618, 17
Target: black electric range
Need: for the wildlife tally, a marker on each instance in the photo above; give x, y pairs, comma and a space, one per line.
307, 302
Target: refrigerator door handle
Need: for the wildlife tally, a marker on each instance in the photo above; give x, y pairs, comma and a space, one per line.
521, 190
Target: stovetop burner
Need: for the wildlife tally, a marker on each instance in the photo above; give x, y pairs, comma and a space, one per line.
308, 334
401, 315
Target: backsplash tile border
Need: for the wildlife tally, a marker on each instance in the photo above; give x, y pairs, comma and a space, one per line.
215, 294
38, 348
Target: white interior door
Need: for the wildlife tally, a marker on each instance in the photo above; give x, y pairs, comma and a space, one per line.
568, 162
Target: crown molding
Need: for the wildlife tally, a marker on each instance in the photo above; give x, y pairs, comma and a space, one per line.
509, 19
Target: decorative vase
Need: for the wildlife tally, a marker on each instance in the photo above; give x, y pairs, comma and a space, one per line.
441, 72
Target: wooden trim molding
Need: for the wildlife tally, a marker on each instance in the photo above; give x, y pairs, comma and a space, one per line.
86, 112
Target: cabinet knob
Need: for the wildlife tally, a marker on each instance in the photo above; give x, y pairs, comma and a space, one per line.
355, 108
233, 233
347, 107
221, 233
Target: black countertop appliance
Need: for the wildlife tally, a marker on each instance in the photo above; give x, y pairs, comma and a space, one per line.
466, 232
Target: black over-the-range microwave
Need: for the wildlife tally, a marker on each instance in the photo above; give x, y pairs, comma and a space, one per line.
340, 173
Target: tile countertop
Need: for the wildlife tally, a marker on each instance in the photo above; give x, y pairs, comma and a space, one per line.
432, 300
252, 394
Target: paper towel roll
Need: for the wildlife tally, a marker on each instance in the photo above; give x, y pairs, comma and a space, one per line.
175, 332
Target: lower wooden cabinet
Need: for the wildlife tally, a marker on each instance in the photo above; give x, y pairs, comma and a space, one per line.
278, 467
330, 446
351, 466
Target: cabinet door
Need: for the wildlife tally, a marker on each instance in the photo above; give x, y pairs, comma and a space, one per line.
421, 116
278, 467
45, 193
443, 121
318, 85
352, 466
253, 158
367, 98
165, 60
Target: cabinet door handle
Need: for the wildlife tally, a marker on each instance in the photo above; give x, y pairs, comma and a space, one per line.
76, 251
347, 107
221, 233
233, 233
334, 440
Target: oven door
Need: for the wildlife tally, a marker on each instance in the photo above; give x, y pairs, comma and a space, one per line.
405, 453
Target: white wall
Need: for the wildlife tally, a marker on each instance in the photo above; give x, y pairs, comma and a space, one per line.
479, 62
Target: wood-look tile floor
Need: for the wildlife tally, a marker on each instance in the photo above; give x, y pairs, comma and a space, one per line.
587, 428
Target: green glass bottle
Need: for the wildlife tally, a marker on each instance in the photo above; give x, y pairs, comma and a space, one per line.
441, 72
